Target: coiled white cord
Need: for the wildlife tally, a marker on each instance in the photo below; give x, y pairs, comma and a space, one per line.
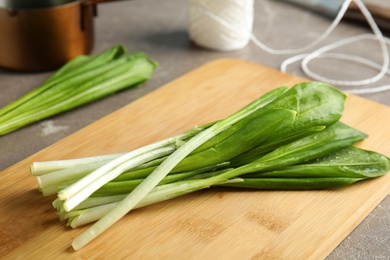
227, 25
222, 25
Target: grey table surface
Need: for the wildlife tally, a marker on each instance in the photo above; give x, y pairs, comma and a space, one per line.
159, 28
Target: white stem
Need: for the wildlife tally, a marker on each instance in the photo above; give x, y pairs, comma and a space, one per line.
42, 168
142, 189
92, 214
158, 194
90, 178
52, 189
58, 177
72, 201
98, 201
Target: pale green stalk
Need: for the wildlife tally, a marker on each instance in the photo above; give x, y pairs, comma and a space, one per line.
80, 196
43, 168
56, 178
92, 202
90, 178
158, 194
89, 215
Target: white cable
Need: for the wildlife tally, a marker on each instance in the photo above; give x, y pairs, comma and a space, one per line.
323, 36
378, 36
322, 50
346, 57
217, 11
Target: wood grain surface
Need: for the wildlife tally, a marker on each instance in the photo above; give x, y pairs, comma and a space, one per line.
210, 224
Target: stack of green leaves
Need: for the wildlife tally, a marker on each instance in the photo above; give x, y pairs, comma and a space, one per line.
80, 81
288, 139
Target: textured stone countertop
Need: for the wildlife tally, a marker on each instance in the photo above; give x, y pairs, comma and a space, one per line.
159, 28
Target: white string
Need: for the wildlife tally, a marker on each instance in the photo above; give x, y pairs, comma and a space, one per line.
328, 31
378, 36
202, 8
346, 57
315, 54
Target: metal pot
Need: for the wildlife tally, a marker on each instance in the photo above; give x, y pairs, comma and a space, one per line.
42, 35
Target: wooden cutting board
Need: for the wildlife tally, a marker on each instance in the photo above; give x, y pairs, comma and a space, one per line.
210, 224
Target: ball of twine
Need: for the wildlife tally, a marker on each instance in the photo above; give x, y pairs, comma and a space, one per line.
222, 25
